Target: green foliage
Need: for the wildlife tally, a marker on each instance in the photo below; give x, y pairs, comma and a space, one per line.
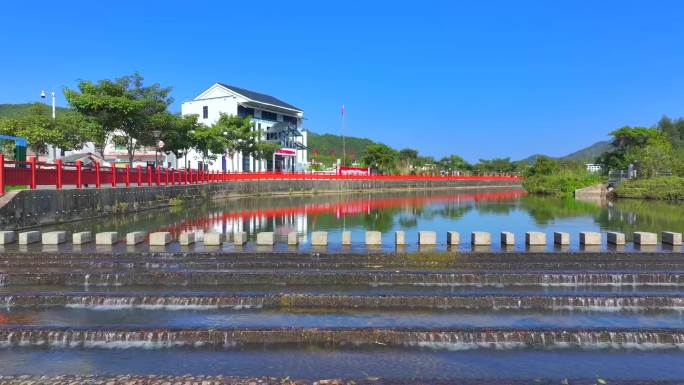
328, 148
122, 105
647, 148
453, 163
380, 158
666, 188
69, 130
496, 165
561, 184
18, 111
543, 165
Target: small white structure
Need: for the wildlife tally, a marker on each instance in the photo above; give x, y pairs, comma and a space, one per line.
591, 167
277, 121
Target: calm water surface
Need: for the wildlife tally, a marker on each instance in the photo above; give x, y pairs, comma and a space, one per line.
492, 210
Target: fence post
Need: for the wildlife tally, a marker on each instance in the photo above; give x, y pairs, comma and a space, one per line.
166, 176
2, 173
149, 175
138, 169
58, 165
79, 176
173, 176
32, 162
127, 168
97, 174
158, 171
113, 168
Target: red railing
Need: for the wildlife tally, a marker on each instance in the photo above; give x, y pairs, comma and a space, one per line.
33, 174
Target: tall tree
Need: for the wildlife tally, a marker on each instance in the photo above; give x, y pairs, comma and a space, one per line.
238, 135
177, 134
124, 107
380, 158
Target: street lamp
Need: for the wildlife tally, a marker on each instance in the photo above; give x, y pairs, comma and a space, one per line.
156, 134
43, 94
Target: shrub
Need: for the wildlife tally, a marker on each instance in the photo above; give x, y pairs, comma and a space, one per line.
562, 184
663, 187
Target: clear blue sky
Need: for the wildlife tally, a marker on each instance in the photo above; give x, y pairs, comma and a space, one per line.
479, 79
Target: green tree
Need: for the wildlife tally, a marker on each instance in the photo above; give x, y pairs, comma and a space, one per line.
124, 106
543, 165
208, 141
453, 163
380, 158
265, 150
177, 134
69, 131
238, 135
407, 158
647, 148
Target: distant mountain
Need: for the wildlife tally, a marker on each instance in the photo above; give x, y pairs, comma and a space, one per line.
587, 154
329, 146
19, 110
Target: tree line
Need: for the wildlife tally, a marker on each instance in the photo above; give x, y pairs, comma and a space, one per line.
126, 112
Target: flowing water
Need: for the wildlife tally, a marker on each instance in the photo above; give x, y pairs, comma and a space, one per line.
447, 316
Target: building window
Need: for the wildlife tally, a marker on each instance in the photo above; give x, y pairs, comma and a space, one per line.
290, 119
244, 112
205, 112
267, 115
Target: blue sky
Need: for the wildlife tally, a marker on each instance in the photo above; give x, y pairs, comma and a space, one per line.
480, 79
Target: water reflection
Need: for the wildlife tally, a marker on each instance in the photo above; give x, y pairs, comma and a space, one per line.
492, 210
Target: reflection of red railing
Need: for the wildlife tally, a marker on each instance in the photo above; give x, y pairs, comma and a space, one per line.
339, 208
34, 174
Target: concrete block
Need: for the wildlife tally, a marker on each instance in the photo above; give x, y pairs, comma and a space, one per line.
28, 237
507, 238
671, 238
453, 238
135, 237
400, 238
561, 238
106, 238
480, 238
346, 238
535, 238
615, 238
589, 238
646, 239
292, 238
319, 238
427, 238
373, 238
213, 239
161, 238
82, 237
265, 238
239, 238
54, 237
7, 237
186, 238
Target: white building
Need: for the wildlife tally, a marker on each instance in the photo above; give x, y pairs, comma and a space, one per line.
279, 122
591, 167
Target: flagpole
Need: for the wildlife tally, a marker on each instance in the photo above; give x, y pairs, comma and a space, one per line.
344, 144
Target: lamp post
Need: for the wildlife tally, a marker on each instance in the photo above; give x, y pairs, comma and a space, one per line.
43, 95
156, 134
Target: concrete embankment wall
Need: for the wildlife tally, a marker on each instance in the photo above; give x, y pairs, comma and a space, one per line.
30, 208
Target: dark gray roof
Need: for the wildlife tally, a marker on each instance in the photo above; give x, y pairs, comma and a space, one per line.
259, 97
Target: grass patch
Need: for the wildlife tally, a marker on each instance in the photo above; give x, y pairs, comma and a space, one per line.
562, 184
662, 187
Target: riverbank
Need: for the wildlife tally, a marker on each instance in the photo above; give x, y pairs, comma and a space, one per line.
660, 188
32, 208
562, 184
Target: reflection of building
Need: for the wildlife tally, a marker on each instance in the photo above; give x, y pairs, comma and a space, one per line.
277, 121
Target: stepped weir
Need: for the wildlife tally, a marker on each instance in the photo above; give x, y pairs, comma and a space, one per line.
339, 315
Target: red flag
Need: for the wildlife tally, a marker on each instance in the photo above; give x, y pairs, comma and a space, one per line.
343, 109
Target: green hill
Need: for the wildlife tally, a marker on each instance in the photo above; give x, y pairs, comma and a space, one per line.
329, 146
18, 110
587, 154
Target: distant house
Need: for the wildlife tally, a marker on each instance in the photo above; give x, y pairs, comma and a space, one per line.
278, 121
591, 167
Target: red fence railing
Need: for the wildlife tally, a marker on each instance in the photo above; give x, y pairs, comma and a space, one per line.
33, 174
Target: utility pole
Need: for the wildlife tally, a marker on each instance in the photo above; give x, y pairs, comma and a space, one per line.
344, 144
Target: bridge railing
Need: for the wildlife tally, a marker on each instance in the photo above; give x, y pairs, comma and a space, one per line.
34, 174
